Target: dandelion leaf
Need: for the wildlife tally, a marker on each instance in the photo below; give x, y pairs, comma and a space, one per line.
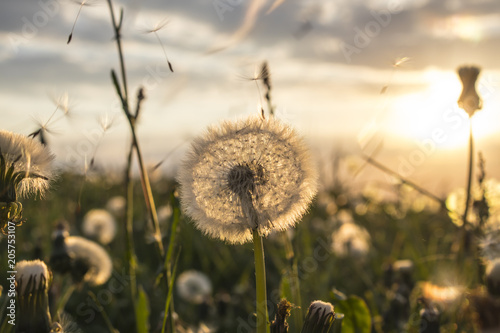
357, 318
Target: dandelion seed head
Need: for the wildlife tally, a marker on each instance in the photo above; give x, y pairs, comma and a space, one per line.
30, 160
351, 240
116, 205
194, 286
99, 224
35, 271
90, 259
254, 165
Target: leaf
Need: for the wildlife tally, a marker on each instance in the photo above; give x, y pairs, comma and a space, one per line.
357, 318
142, 311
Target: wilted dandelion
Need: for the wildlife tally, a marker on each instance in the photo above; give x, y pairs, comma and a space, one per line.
469, 99
85, 260
251, 174
351, 240
99, 224
25, 168
194, 286
32, 284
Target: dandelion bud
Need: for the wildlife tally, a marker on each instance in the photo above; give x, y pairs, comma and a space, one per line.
493, 277
469, 99
319, 318
279, 324
32, 284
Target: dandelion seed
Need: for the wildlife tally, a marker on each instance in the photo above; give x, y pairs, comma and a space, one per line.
351, 240
158, 26
82, 4
194, 286
99, 224
246, 175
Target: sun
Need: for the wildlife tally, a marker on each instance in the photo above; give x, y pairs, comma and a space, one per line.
433, 114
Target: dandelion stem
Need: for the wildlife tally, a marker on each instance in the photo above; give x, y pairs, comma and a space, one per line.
130, 255
260, 277
469, 175
295, 283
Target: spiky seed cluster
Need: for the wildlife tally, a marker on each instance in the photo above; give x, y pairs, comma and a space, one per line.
90, 262
99, 224
32, 275
194, 286
25, 166
245, 175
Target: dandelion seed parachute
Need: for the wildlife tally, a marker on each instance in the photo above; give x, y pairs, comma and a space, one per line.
245, 175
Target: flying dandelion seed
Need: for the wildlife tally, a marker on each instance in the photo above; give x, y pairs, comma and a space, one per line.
253, 174
82, 4
158, 26
99, 224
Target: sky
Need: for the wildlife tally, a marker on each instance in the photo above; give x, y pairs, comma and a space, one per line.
352, 76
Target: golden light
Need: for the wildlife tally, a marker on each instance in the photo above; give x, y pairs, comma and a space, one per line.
433, 114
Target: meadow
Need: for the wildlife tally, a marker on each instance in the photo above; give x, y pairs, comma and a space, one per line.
247, 237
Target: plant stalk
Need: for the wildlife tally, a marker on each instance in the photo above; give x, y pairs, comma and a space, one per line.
260, 277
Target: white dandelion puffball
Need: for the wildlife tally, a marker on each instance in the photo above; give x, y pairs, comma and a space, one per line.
351, 240
92, 256
37, 271
194, 286
116, 205
245, 175
31, 164
99, 224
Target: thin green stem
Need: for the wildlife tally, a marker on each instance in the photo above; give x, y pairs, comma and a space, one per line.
469, 175
117, 28
260, 278
63, 300
129, 232
146, 186
294, 281
103, 313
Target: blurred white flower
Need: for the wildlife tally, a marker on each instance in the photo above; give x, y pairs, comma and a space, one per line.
116, 205
99, 224
32, 274
247, 175
90, 262
25, 166
194, 286
351, 240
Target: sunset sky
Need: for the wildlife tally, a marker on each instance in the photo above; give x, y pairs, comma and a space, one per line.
347, 74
